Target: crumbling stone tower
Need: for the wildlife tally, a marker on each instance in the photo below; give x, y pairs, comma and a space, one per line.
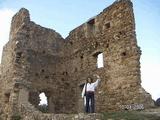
38, 59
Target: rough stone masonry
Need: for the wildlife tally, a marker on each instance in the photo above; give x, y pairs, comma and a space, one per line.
38, 59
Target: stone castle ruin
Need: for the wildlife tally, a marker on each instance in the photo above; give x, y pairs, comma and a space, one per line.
38, 59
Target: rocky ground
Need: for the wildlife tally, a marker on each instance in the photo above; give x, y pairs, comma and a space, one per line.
149, 114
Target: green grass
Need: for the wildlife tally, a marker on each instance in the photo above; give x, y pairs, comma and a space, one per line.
134, 115
16, 117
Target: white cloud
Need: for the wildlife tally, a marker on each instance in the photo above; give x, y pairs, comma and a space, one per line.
5, 22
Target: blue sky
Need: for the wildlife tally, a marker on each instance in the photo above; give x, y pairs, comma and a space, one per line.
65, 15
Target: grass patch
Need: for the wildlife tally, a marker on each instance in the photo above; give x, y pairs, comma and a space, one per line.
16, 117
132, 115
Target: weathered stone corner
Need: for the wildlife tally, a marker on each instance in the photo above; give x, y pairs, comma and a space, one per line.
22, 15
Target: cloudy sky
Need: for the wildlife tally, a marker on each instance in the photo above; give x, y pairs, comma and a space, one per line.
65, 15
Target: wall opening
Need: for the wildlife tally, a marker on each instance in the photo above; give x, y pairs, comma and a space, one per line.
39, 101
42, 70
47, 77
43, 51
91, 26
100, 61
36, 74
71, 43
91, 21
18, 57
124, 54
81, 56
108, 25
7, 96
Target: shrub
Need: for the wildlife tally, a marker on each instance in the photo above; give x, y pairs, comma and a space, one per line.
16, 117
43, 108
157, 102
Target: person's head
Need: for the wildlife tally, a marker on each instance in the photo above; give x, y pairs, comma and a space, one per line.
89, 80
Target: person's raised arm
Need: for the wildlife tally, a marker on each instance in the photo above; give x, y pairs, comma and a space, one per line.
97, 81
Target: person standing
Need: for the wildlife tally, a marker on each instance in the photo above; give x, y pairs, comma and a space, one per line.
89, 91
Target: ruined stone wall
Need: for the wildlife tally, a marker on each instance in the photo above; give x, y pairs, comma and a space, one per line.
38, 59
112, 33
32, 61
39, 52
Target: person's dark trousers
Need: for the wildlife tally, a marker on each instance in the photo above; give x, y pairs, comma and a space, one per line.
90, 97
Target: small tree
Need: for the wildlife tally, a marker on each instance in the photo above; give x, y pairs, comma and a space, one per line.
157, 102
16, 117
43, 108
